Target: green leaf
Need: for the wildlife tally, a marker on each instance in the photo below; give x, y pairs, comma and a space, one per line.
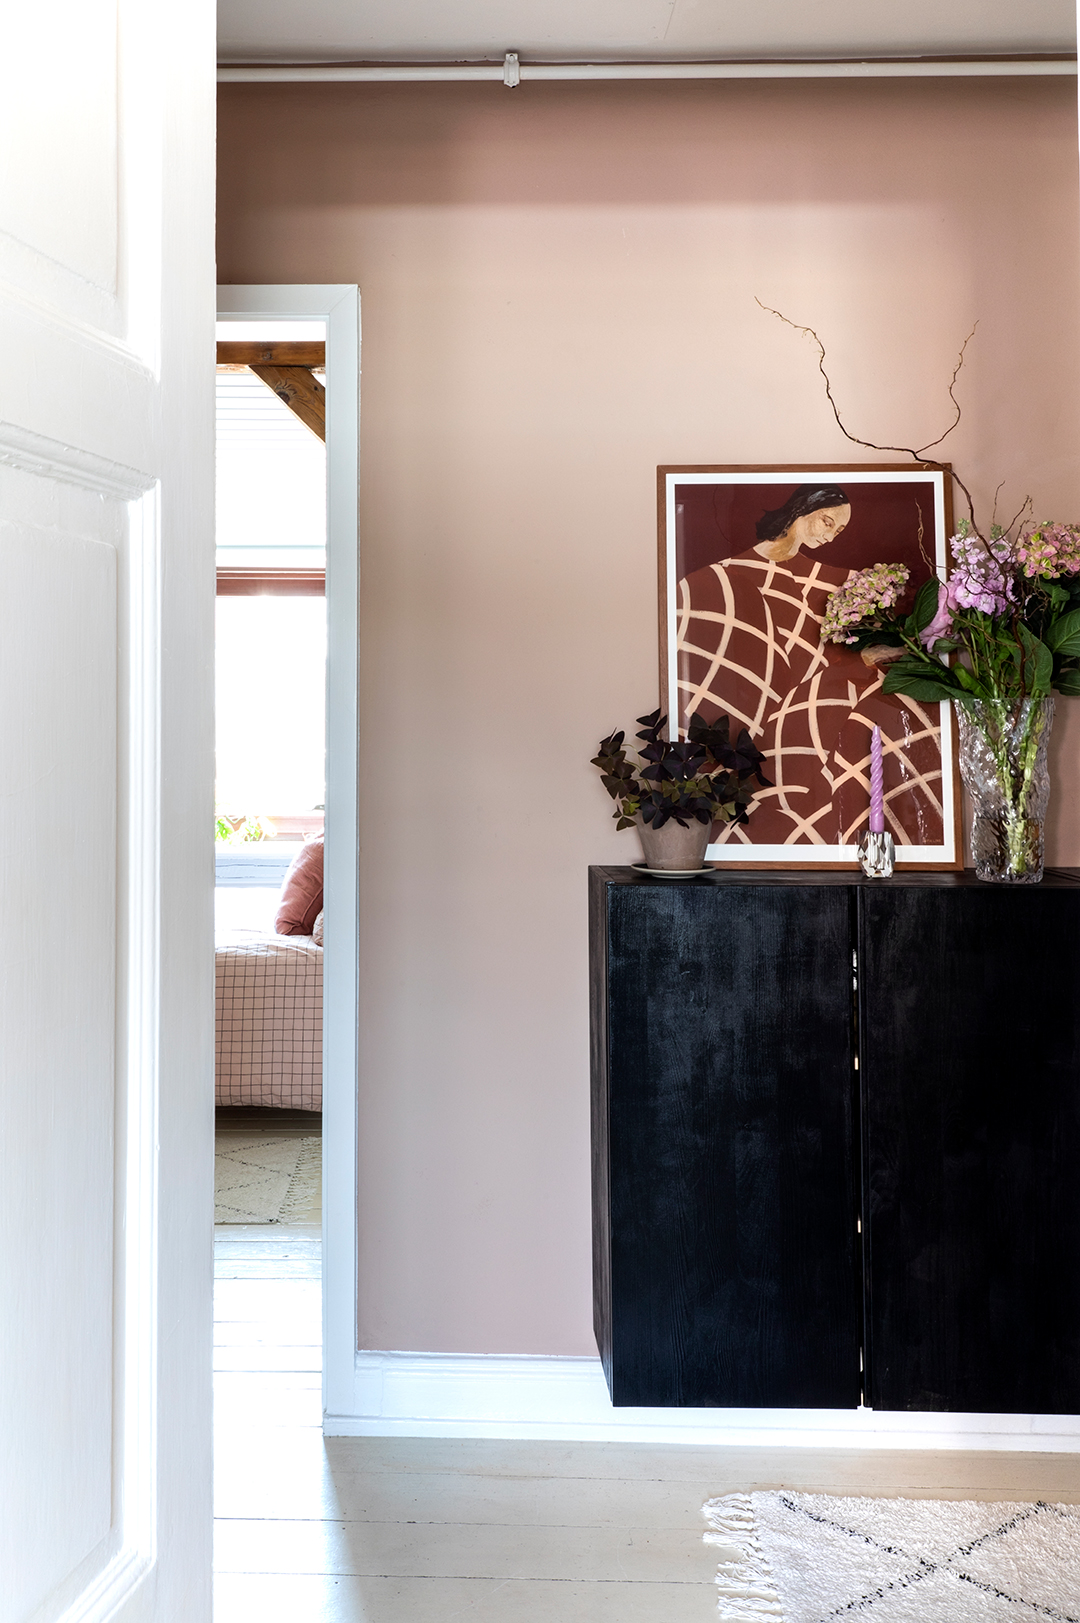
926, 603
1038, 664
877, 636
966, 680
901, 674
923, 688
1063, 631
916, 664
1068, 683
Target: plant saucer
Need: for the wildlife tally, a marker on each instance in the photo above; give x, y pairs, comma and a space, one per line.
672, 873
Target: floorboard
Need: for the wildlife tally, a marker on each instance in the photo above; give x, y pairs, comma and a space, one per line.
403, 1530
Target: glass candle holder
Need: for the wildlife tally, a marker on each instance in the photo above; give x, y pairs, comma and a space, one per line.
877, 855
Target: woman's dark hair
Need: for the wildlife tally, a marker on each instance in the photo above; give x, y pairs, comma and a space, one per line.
807, 499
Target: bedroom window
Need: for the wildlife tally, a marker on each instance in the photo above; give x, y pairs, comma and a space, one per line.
271, 621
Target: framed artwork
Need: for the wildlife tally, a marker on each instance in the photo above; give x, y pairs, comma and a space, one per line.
748, 559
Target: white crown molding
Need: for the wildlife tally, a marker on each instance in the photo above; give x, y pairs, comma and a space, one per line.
403, 1394
51, 459
457, 72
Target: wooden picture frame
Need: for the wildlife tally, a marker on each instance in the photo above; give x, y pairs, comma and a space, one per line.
748, 556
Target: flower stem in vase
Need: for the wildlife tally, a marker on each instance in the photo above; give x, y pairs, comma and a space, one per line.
1003, 763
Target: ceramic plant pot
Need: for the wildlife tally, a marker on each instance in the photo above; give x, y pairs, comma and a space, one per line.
674, 846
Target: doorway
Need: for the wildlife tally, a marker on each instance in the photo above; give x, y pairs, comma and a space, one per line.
270, 795
336, 308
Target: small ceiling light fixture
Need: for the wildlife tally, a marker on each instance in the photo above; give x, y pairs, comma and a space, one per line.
511, 70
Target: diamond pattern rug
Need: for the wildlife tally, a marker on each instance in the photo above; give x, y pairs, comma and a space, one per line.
816, 1558
265, 1180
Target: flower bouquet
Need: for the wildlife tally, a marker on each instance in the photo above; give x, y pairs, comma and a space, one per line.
996, 638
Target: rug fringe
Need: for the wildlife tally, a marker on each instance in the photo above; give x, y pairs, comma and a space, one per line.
299, 1193
747, 1591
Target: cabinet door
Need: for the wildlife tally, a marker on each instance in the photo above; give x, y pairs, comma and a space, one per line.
726, 1238
970, 1049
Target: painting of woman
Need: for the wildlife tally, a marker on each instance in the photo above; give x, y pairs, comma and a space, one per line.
748, 629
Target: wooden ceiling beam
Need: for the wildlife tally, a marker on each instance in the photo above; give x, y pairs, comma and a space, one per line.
264, 353
301, 391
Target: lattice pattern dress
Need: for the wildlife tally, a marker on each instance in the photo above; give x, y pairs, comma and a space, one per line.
749, 646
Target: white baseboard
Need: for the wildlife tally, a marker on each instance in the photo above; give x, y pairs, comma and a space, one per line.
403, 1394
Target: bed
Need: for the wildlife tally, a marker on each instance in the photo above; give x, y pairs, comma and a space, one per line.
270, 984
269, 1022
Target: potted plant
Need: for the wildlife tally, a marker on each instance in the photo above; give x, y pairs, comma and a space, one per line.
676, 790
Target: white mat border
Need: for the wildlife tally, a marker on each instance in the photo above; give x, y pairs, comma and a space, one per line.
746, 1586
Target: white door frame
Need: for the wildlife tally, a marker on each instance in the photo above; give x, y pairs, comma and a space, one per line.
339, 306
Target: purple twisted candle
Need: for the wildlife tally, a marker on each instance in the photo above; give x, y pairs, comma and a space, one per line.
877, 789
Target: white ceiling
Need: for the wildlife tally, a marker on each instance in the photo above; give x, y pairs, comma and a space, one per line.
627, 30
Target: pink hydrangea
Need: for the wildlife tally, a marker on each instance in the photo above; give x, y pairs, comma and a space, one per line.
1049, 551
865, 593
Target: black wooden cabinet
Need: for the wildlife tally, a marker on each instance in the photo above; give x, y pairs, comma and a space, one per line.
836, 1141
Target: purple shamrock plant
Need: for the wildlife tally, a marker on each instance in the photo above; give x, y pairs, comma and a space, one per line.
705, 778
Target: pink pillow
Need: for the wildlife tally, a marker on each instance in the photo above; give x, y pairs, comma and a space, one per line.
302, 893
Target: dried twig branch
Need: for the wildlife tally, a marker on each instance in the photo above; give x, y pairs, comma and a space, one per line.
926, 558
997, 493
1026, 506
956, 403
871, 445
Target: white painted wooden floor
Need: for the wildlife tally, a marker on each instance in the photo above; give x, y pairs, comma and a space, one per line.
409, 1531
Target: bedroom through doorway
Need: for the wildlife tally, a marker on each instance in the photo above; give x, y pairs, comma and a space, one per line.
270, 798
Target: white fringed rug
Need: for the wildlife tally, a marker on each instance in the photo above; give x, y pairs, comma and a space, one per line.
262, 1179
815, 1558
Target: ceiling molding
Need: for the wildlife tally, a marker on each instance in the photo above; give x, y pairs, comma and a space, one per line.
496, 72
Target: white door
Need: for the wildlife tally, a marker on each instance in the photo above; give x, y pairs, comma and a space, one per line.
106, 571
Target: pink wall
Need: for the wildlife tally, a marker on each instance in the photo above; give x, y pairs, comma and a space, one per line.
558, 292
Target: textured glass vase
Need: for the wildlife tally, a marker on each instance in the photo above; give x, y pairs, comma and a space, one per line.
1003, 763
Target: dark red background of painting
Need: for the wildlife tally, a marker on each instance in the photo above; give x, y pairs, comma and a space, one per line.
715, 521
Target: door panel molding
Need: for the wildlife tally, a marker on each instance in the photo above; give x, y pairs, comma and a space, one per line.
52, 459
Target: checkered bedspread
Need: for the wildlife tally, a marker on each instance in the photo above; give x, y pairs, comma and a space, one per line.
269, 1022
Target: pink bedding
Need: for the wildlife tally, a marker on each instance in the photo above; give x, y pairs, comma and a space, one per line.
269, 1022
